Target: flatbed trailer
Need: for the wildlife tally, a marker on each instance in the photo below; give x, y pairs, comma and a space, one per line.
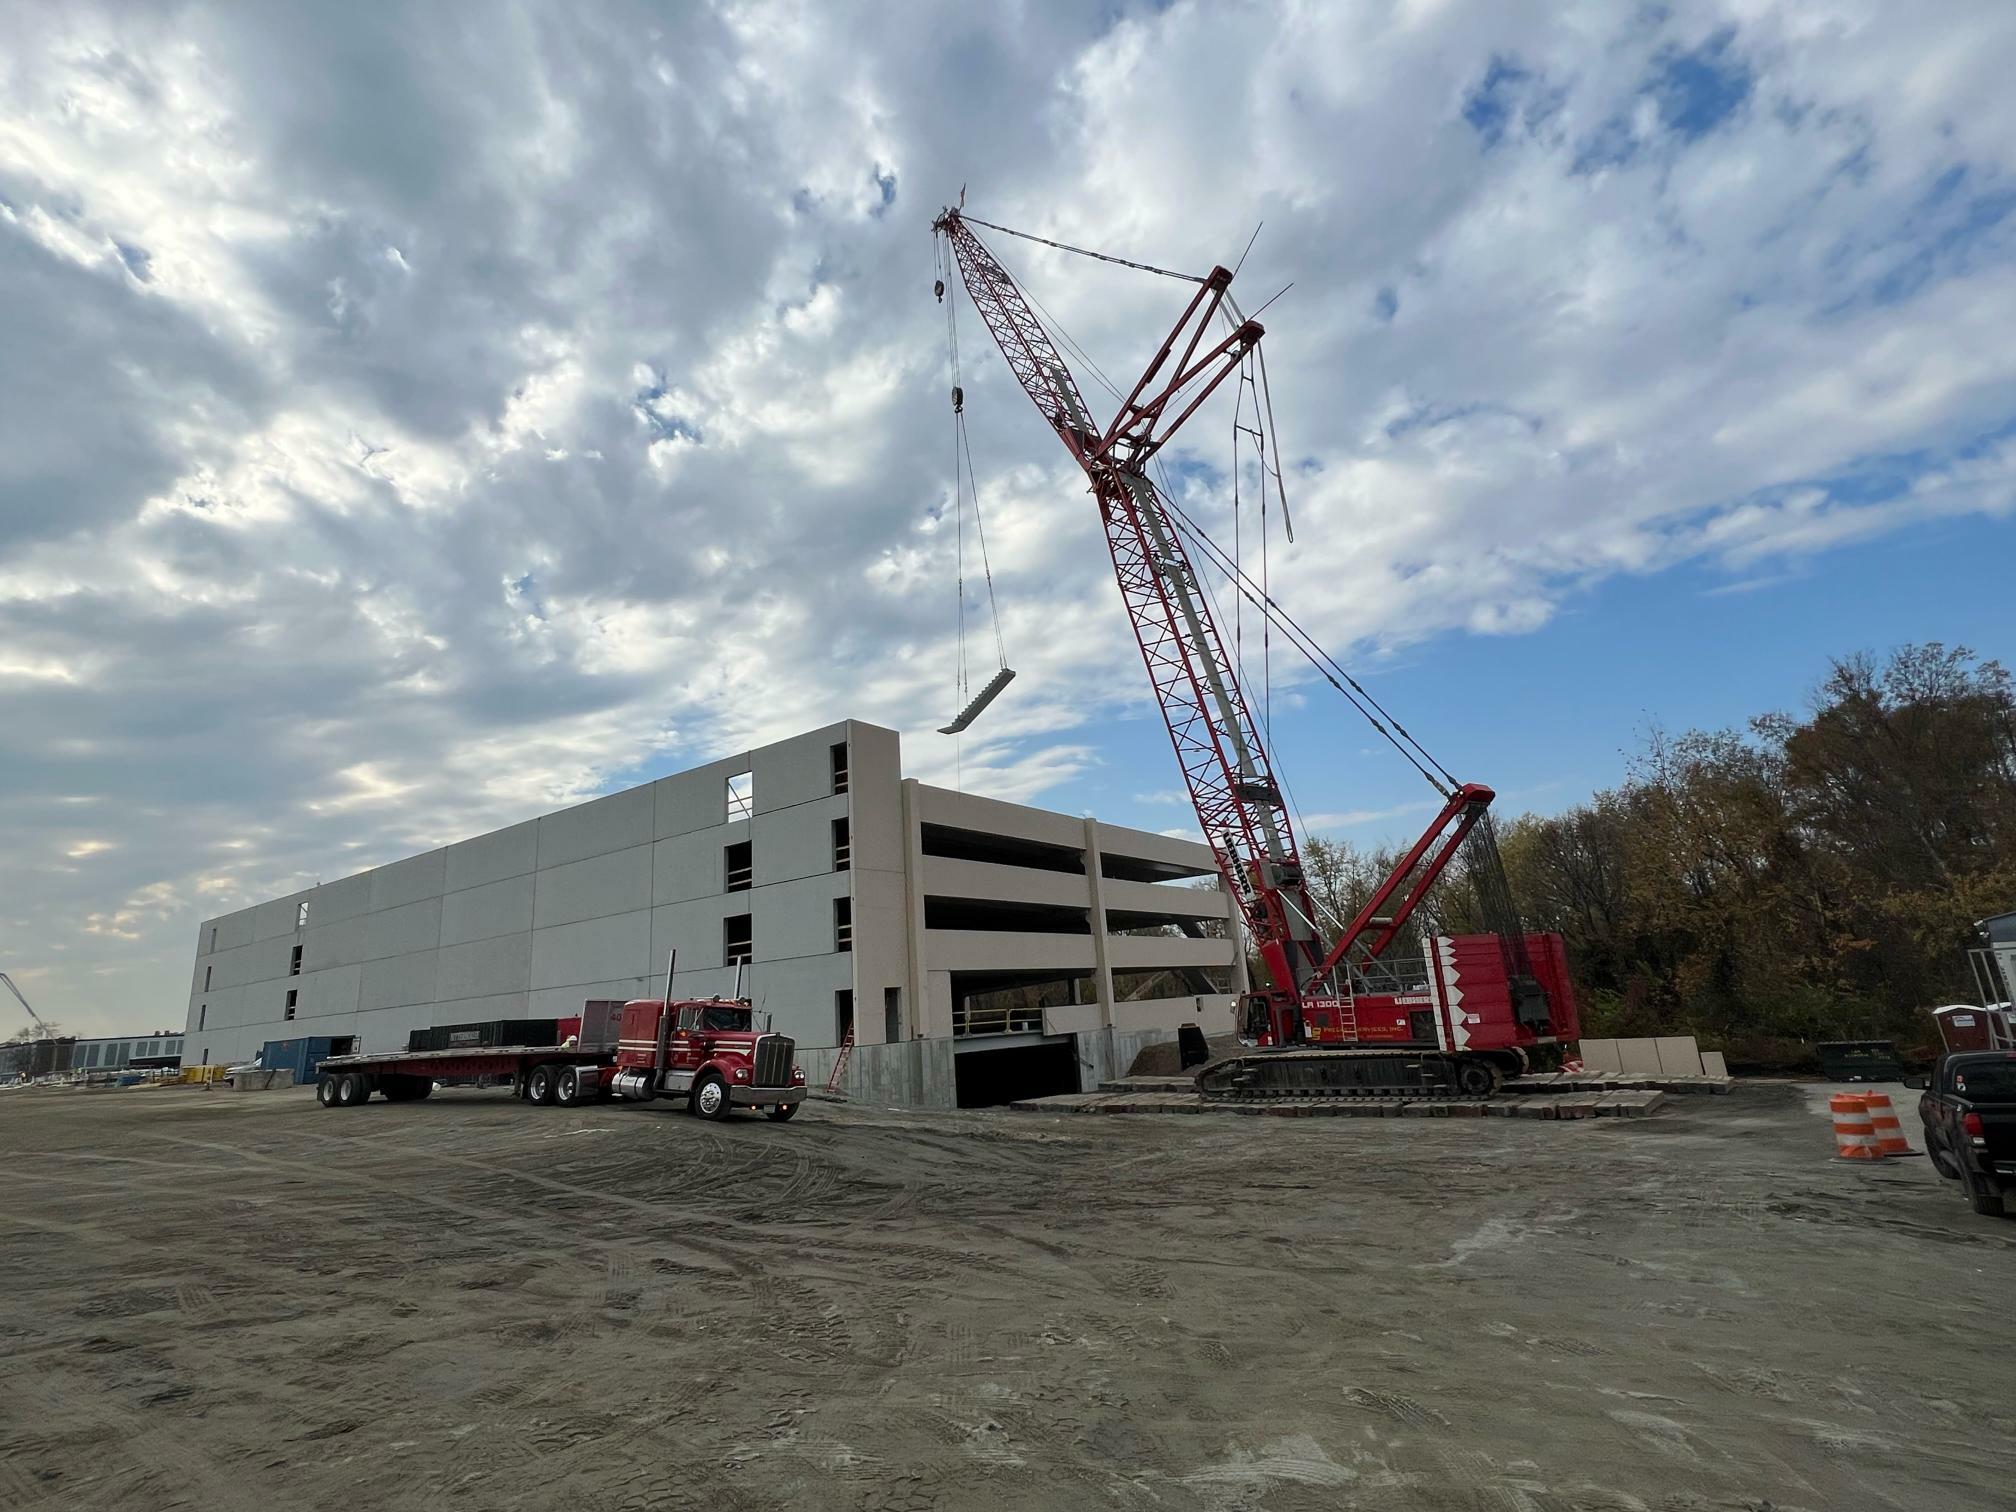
707, 1054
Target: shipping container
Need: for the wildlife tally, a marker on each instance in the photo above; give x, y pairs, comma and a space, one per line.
301, 1055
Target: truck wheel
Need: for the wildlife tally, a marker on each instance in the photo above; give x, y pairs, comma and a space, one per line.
541, 1086
352, 1089
710, 1098
325, 1090
567, 1087
1987, 1204
1942, 1162
782, 1112
423, 1087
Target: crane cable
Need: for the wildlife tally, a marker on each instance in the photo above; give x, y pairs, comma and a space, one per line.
1375, 714
964, 482
1124, 262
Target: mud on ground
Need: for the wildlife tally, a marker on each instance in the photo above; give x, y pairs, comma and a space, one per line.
224, 1302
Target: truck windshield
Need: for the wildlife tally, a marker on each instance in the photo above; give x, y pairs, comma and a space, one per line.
724, 1016
1986, 1081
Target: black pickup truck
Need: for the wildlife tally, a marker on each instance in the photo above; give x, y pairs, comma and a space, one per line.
1969, 1111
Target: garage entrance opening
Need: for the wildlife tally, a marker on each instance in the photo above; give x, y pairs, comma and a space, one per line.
989, 1078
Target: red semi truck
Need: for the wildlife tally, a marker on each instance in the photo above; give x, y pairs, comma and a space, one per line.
707, 1052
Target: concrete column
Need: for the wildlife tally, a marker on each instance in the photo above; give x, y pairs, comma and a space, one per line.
1102, 971
926, 1018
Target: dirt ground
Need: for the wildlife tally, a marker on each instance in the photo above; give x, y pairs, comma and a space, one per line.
226, 1302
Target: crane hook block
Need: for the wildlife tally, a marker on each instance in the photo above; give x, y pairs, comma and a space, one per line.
938, 288
958, 400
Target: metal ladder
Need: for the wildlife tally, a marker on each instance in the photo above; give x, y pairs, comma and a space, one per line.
840, 1060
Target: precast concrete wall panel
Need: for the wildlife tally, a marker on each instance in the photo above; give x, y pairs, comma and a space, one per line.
618, 822
796, 918
345, 898
339, 944
794, 771
796, 842
277, 917
407, 881
491, 858
1002, 950
689, 866
694, 930
402, 931
398, 982
479, 1010
233, 930
696, 799
946, 877
1157, 952
799, 995
937, 805
875, 791
337, 990
612, 883
484, 968
594, 950
487, 912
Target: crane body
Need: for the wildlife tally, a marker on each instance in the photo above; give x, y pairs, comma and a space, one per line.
1463, 1013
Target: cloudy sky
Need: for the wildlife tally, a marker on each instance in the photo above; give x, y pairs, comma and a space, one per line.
414, 418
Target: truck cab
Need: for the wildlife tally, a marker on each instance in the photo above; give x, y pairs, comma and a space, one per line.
709, 1051
1969, 1113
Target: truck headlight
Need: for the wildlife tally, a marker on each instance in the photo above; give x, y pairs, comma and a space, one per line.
741, 1073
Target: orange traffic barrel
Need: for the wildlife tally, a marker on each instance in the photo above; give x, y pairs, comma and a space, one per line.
1889, 1133
1854, 1134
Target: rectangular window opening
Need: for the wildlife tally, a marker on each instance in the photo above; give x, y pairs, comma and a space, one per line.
741, 795
843, 923
206, 977
843, 850
202, 1013
294, 962
301, 915
738, 866
213, 940
738, 940
293, 1000
892, 1014
843, 1015
840, 766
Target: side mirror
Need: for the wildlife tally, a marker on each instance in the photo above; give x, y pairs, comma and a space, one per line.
1918, 1083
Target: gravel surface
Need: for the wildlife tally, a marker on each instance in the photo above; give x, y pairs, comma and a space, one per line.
242, 1301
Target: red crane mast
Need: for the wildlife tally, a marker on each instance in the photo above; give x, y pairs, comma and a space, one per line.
1240, 805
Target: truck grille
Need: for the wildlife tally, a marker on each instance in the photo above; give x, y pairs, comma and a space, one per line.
774, 1055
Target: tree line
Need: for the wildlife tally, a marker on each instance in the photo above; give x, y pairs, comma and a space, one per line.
1804, 878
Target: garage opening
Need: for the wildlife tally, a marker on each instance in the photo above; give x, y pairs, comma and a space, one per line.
988, 1078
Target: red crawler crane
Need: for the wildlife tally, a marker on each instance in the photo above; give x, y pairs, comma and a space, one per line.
1463, 1014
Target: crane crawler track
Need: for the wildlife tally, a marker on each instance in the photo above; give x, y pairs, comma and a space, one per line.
1346, 1071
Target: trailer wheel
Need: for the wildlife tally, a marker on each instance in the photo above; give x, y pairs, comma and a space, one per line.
782, 1112
325, 1090
541, 1086
1477, 1078
423, 1087
352, 1089
567, 1087
710, 1098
